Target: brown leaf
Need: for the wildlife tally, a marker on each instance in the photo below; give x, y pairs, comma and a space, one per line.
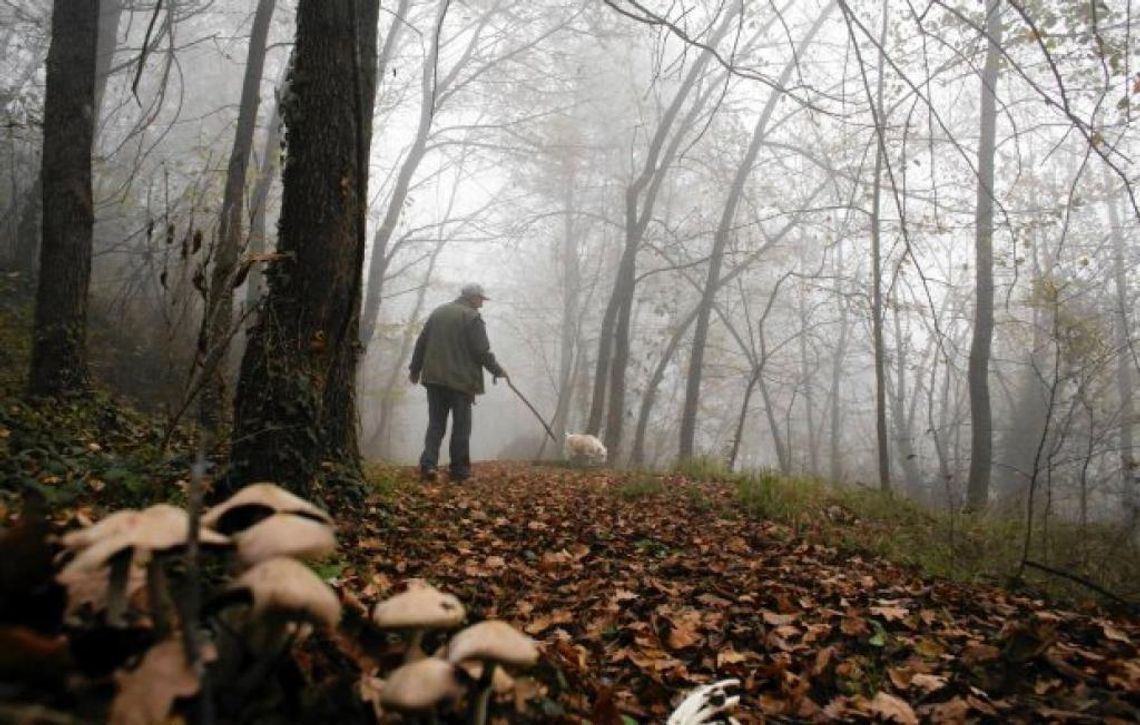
928, 683
954, 710
147, 693
977, 652
892, 709
929, 647
729, 656
1114, 634
854, 626
684, 635
891, 614
777, 620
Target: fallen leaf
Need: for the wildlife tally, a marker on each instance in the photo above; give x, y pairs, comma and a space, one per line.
892, 709
147, 693
891, 614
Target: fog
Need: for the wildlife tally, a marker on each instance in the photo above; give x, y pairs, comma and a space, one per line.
767, 219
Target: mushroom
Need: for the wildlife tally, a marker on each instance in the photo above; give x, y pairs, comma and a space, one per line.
284, 535
134, 537
258, 501
419, 609
284, 594
417, 687
491, 643
501, 682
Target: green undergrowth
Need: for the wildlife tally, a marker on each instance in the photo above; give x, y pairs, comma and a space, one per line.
89, 450
383, 479
638, 485
977, 549
967, 548
16, 312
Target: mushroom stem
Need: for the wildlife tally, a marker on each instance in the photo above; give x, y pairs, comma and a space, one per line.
482, 695
117, 588
156, 592
415, 651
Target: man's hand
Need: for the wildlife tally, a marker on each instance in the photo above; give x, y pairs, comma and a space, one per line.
502, 374
415, 378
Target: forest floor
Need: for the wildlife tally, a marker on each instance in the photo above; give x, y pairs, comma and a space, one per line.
640, 587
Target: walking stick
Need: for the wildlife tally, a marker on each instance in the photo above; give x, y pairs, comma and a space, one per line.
532, 409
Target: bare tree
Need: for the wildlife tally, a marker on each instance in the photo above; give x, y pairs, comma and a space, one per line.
640, 198
27, 243
217, 319
981, 417
1125, 361
720, 241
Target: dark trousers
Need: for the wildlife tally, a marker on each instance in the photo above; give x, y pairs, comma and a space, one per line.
441, 402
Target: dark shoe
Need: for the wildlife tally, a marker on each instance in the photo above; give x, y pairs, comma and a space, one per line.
427, 475
458, 477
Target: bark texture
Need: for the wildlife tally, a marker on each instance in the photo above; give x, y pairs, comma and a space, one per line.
295, 406
59, 352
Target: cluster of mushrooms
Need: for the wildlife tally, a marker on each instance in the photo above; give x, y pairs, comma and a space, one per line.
471, 663
271, 601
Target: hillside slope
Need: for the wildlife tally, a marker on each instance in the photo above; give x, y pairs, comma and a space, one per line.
640, 589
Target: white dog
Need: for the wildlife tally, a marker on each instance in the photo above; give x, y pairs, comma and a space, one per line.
582, 447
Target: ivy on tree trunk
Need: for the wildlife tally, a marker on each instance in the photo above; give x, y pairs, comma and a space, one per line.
295, 406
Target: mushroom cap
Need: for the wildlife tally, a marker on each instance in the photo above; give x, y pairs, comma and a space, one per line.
493, 640
107, 526
420, 686
159, 528
286, 586
284, 535
256, 501
421, 608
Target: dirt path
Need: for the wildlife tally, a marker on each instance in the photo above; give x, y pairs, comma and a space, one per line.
639, 589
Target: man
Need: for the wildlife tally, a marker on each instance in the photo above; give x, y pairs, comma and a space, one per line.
449, 358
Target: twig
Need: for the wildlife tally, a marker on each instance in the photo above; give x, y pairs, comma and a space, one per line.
1081, 580
142, 54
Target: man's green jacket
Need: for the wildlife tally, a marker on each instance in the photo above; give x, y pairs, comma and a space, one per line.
453, 349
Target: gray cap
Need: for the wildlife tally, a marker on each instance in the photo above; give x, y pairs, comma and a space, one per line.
473, 290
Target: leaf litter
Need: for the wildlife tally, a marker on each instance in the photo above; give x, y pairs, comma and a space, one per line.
637, 599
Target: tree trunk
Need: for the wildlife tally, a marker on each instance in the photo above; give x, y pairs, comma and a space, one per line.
59, 348
836, 374
27, 248
378, 263
808, 371
981, 420
259, 207
110, 12
571, 283
882, 445
614, 342
720, 241
397, 374
295, 405
783, 455
742, 418
904, 434
637, 456
1125, 387
217, 318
